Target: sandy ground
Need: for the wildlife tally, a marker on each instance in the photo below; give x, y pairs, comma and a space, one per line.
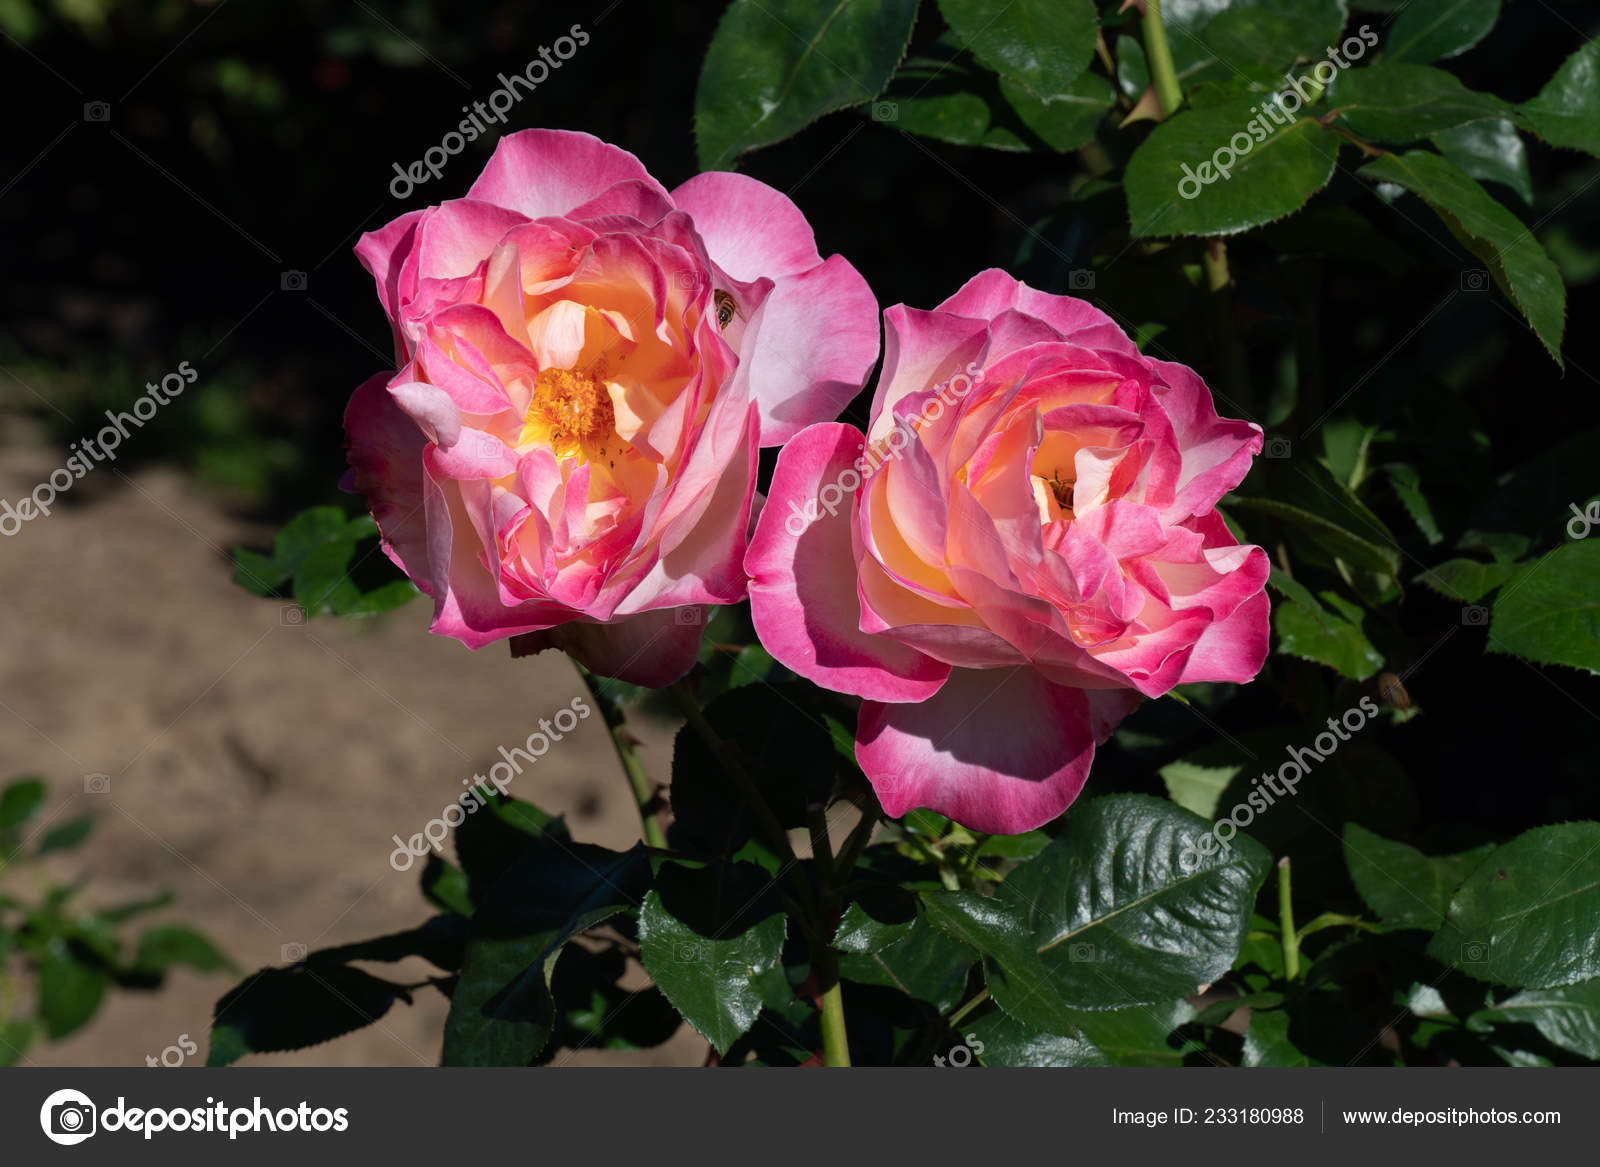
255, 767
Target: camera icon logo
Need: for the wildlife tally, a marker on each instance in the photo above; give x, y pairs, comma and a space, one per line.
1080, 279
1276, 447
885, 111
97, 111
97, 783
67, 1117
1474, 279
292, 953
1474, 952
292, 281
687, 278
690, 615
292, 616
1474, 615
689, 952
1082, 953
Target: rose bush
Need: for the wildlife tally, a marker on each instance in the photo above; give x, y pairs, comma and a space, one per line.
586, 366
1029, 548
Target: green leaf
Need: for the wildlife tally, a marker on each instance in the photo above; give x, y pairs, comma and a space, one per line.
1399, 883
67, 835
705, 936
1568, 1016
70, 990
1274, 33
1492, 233
1466, 579
999, 1039
1266, 1042
1490, 151
502, 1012
1407, 485
1174, 187
1305, 495
1395, 102
315, 550
875, 919
775, 66
1566, 111
963, 119
1066, 119
1196, 787
925, 964
161, 948
1550, 612
1525, 915
1042, 44
1332, 636
1147, 1035
279, 1009
1425, 32
20, 801
1123, 908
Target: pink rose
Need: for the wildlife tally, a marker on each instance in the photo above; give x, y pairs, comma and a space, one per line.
587, 365
1023, 546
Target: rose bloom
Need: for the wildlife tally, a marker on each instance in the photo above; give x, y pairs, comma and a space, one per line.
1022, 547
587, 365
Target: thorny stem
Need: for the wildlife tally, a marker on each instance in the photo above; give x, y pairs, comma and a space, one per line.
1163, 74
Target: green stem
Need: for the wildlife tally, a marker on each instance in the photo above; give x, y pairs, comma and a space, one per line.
644, 790
1291, 940
960, 1014
835, 1043
1156, 50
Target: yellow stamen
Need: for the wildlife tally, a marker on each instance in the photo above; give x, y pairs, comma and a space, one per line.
570, 413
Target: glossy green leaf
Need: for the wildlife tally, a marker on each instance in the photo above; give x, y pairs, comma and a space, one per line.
705, 935
775, 66
1330, 635
1123, 908
502, 1012
1404, 103
875, 919
1275, 32
1042, 44
1005, 1041
925, 964
1175, 187
1266, 1042
1467, 580
1426, 31
1550, 611
1490, 151
1566, 111
1568, 1016
1492, 233
1399, 883
1525, 915
1146, 1035
1066, 119
963, 119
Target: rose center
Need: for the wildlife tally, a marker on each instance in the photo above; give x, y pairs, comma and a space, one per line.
570, 413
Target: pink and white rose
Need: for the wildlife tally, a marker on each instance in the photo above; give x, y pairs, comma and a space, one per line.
587, 364
1028, 549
